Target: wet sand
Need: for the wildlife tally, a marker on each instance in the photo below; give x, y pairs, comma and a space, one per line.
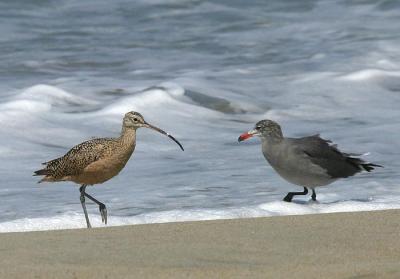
339, 245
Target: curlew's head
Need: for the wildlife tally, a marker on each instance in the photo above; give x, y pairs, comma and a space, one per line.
134, 120
266, 129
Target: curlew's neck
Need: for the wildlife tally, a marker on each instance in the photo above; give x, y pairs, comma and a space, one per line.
128, 137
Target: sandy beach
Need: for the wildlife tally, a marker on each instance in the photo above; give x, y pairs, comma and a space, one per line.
337, 245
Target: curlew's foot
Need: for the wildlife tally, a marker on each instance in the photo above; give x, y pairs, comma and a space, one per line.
102, 207
103, 213
82, 198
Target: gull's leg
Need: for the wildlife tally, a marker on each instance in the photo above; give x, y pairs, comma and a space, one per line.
102, 208
82, 190
290, 195
314, 195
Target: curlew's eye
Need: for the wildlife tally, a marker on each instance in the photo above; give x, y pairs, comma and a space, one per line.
135, 119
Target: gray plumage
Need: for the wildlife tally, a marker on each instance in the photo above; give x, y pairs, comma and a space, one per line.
309, 161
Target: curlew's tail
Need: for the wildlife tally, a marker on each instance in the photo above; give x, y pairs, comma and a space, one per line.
46, 173
41, 172
369, 166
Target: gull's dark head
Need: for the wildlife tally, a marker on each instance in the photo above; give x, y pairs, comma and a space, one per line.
267, 129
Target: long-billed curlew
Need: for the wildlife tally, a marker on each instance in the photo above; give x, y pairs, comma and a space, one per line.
308, 162
97, 160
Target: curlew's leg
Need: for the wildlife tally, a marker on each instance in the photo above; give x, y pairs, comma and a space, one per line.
290, 195
82, 190
102, 207
314, 195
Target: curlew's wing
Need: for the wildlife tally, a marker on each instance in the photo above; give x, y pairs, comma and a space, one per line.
326, 155
75, 160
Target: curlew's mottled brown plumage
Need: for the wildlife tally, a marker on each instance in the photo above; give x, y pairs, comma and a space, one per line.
98, 160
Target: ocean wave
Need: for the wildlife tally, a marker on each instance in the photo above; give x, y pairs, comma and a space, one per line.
152, 97
369, 74
53, 96
176, 98
71, 220
42, 98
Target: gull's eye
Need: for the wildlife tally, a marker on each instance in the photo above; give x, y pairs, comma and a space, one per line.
258, 127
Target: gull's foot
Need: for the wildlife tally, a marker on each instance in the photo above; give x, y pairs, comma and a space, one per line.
312, 201
288, 198
103, 213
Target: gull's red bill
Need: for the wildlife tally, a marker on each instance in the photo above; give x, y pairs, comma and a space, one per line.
244, 136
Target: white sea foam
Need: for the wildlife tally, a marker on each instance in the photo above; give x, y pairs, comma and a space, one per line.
139, 101
51, 95
24, 106
155, 100
37, 100
370, 74
71, 220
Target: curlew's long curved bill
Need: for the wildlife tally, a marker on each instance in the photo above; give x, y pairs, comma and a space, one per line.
164, 133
